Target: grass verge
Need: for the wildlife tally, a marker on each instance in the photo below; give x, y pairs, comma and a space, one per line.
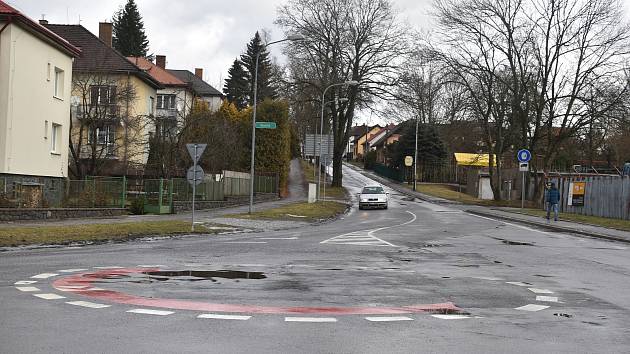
331, 192
592, 220
301, 211
451, 192
32, 235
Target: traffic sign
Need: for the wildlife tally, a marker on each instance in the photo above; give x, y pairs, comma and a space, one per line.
195, 175
266, 125
195, 155
408, 161
524, 155
523, 166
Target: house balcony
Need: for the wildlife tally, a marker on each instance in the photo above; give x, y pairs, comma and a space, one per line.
167, 113
109, 112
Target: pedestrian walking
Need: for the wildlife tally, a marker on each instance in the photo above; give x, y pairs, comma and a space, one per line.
553, 198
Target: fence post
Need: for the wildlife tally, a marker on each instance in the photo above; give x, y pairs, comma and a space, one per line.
170, 196
124, 192
93, 192
160, 195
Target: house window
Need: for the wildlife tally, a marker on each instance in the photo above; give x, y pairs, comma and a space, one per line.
151, 105
105, 137
55, 138
58, 83
48, 72
102, 95
166, 102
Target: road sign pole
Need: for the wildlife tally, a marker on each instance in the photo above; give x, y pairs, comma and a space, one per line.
523, 192
194, 190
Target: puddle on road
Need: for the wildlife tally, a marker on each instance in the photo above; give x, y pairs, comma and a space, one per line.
182, 275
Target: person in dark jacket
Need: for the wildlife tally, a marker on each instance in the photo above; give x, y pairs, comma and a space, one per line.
553, 198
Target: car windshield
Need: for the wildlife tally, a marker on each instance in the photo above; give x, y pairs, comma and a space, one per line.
373, 190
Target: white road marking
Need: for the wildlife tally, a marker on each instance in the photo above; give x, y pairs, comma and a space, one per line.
151, 312
25, 282
509, 223
488, 278
224, 317
540, 291
88, 304
451, 317
44, 276
310, 319
547, 298
245, 242
366, 237
517, 283
72, 270
388, 319
49, 296
532, 307
27, 288
278, 238
109, 267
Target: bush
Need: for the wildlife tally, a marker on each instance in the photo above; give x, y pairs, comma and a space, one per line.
137, 206
370, 160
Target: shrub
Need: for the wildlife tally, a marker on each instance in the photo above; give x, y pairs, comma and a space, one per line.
137, 206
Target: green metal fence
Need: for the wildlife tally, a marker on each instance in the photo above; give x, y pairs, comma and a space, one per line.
158, 196
389, 172
265, 184
96, 192
234, 187
208, 190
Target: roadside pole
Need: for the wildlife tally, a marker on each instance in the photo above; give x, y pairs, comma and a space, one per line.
523, 157
194, 185
195, 174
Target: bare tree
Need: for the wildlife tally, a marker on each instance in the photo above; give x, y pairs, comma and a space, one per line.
358, 40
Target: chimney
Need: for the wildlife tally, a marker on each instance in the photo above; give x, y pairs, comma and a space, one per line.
160, 60
43, 22
105, 32
199, 73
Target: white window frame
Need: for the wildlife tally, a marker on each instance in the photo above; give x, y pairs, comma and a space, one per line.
58, 83
55, 139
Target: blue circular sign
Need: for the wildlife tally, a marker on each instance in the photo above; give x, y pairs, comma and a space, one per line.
524, 155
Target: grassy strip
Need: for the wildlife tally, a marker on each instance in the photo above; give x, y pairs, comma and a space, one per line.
301, 211
331, 192
592, 220
16, 236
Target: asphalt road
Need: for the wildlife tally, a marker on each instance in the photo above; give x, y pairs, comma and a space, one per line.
360, 284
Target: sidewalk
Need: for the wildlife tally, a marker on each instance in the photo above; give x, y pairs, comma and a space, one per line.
508, 214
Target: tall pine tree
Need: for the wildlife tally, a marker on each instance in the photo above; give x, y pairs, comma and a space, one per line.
266, 89
128, 33
236, 86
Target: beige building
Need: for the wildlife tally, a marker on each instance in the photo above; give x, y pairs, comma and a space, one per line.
35, 90
113, 107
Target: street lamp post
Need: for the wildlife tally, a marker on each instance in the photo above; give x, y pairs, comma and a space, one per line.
321, 130
251, 173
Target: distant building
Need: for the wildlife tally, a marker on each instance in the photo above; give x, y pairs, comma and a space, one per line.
203, 91
35, 86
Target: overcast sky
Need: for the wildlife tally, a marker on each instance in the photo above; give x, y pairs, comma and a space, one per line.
208, 34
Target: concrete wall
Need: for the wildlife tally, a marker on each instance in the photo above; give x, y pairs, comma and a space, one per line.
29, 107
56, 214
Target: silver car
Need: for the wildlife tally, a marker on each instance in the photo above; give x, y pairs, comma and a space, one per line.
373, 197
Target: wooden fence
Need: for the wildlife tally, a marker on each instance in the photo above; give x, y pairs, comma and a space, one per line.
605, 196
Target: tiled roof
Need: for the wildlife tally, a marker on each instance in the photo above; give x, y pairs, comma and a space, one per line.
200, 87
7, 11
159, 74
98, 56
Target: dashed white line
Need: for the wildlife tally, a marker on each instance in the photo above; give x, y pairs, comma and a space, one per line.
72, 270
451, 317
532, 307
27, 288
44, 276
151, 312
88, 304
224, 317
310, 319
388, 319
25, 282
540, 291
547, 298
245, 242
49, 296
517, 283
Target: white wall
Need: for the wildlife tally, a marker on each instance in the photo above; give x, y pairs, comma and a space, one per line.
27, 106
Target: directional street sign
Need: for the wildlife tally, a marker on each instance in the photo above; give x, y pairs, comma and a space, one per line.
195, 175
191, 151
266, 125
524, 155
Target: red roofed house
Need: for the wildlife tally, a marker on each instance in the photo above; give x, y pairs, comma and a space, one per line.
35, 90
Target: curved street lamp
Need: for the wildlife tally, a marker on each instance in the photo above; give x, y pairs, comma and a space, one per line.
295, 37
321, 129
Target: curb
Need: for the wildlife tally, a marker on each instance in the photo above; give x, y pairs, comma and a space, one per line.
548, 226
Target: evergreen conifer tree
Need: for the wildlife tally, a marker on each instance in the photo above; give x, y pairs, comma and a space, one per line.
236, 86
266, 88
128, 31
